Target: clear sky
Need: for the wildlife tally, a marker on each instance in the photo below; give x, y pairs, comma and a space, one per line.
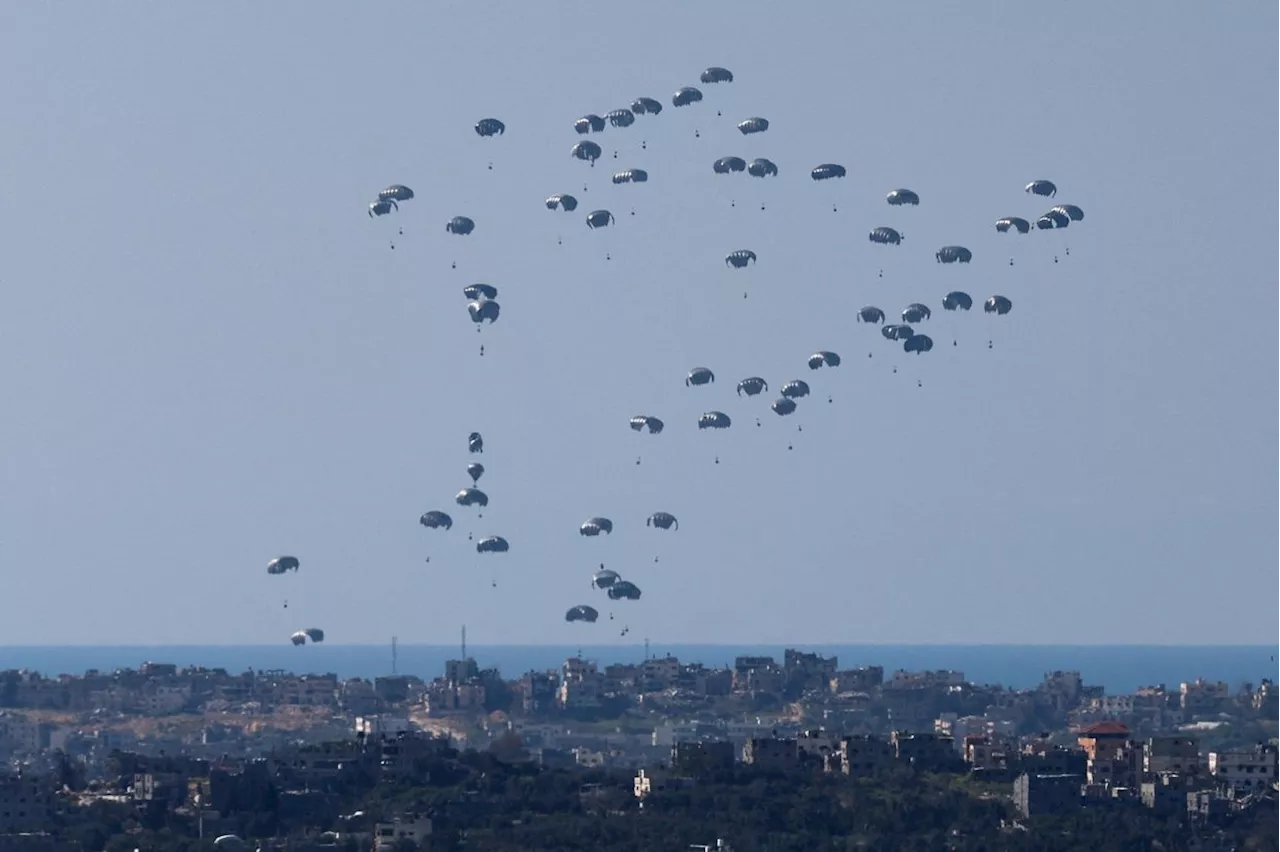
210, 355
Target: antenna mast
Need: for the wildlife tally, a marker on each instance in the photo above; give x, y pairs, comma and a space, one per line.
394, 653
464, 641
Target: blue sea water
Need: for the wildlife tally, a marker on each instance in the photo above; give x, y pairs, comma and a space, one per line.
1118, 668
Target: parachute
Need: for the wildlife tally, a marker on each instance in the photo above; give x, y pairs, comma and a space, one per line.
475, 442
567, 203
957, 300
382, 207
783, 406
899, 197
916, 312
752, 386
475, 470
643, 421
740, 258
897, 332
590, 123
582, 612
885, 236
684, 97
436, 520
1059, 219
395, 192
315, 634
871, 314
699, 376
823, 359
484, 309
599, 219
725, 165
762, 167
595, 526
827, 171
714, 420
795, 389
998, 305
631, 176
663, 521
492, 544
283, 564
1045, 188
646, 106
604, 578
490, 127
953, 254
917, 343
472, 497
624, 590
621, 117
753, 125
586, 150
716, 74
460, 225
1016, 223
476, 292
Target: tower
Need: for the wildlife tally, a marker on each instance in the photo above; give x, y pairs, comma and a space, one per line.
394, 653
464, 641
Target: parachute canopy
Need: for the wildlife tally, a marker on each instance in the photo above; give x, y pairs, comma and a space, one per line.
699, 376
824, 359
725, 165
714, 420
492, 544
436, 520
643, 421
827, 171
684, 97
582, 612
283, 564
460, 225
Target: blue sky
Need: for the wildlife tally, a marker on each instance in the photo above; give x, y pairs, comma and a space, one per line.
210, 356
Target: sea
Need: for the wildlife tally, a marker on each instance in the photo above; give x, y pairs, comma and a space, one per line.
1119, 669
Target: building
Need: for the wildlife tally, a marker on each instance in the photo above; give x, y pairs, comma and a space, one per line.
924, 751
1110, 760
1034, 795
26, 805
1204, 698
702, 759
413, 829
771, 753
819, 748
581, 685
758, 675
807, 671
1245, 771
1171, 754
862, 754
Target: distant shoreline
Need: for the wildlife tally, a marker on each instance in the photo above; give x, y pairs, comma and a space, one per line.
1119, 669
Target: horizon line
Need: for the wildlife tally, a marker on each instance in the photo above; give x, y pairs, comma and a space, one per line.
651, 645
